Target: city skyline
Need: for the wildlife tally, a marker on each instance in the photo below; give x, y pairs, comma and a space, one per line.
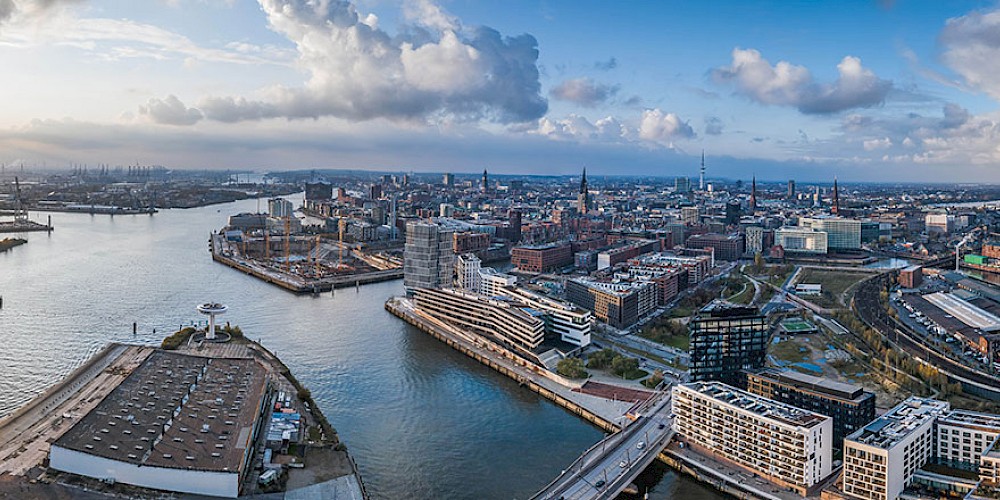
878, 92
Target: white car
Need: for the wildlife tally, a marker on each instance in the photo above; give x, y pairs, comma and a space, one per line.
640, 445
623, 464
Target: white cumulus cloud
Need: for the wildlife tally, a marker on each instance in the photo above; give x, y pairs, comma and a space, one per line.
583, 91
664, 128
972, 49
170, 111
787, 84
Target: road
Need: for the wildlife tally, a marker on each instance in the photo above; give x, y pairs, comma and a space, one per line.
606, 469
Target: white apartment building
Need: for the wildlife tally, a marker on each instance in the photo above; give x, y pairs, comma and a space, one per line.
963, 436
467, 269
787, 445
801, 240
880, 458
492, 283
571, 323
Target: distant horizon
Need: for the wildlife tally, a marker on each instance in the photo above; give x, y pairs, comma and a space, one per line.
909, 92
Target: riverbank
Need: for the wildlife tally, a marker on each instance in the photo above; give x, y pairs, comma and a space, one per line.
8, 243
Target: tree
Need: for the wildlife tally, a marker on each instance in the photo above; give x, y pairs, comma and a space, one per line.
601, 359
623, 365
571, 367
758, 263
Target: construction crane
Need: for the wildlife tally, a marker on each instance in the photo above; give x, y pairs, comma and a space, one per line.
288, 242
20, 210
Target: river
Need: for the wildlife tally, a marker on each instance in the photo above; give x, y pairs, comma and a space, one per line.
421, 420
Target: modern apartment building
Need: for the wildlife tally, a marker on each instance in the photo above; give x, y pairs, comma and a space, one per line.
787, 445
725, 339
698, 268
881, 457
506, 321
850, 406
467, 268
618, 304
492, 283
572, 324
610, 257
428, 258
964, 436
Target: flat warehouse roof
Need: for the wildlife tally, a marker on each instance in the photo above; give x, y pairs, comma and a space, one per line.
964, 311
176, 411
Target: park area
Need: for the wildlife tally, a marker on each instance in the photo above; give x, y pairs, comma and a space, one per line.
834, 283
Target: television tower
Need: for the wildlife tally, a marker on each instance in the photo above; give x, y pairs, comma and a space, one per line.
701, 178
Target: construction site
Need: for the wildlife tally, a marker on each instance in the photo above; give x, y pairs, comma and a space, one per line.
276, 251
21, 223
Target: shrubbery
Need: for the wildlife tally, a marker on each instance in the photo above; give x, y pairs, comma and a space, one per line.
177, 339
571, 367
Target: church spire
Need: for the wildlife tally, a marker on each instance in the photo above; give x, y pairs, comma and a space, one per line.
836, 198
583, 182
753, 194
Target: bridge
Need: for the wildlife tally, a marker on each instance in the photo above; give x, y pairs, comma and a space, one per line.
608, 467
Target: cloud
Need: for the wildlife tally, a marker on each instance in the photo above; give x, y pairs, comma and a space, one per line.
785, 84
583, 91
434, 69
608, 65
170, 111
972, 49
29, 10
713, 125
663, 128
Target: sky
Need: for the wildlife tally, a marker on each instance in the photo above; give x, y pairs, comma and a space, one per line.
875, 90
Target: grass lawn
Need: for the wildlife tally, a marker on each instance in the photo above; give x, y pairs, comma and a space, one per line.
788, 351
835, 283
682, 342
745, 296
636, 374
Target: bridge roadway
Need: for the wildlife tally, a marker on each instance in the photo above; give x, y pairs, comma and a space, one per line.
599, 473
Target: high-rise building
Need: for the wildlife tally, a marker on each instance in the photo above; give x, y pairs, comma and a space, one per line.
428, 257
789, 446
514, 220
801, 240
733, 212
850, 406
375, 191
280, 207
755, 240
835, 209
701, 173
690, 215
682, 185
448, 180
791, 190
842, 234
467, 267
726, 338
583, 199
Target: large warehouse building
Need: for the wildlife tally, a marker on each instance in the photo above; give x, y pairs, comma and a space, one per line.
178, 423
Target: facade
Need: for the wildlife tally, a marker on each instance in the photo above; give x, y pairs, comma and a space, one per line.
572, 324
787, 445
467, 269
428, 258
963, 437
841, 233
798, 240
155, 430
319, 191
726, 246
911, 277
470, 241
448, 180
617, 304
280, 207
609, 258
492, 283
506, 321
850, 406
667, 281
682, 185
755, 240
698, 268
542, 258
939, 223
880, 458
690, 215
725, 339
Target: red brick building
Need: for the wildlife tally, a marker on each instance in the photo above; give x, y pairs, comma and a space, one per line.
542, 258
